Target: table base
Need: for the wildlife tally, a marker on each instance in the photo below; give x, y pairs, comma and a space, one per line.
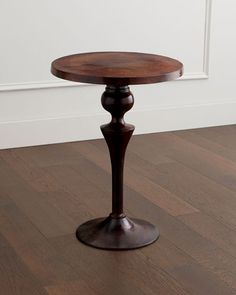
117, 233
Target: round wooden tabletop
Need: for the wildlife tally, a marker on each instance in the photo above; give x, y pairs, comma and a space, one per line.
117, 68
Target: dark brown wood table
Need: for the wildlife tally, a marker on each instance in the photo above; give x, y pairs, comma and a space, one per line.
117, 70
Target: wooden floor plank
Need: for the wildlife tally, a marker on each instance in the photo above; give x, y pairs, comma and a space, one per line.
7, 174
44, 155
48, 218
25, 170
209, 164
120, 271
152, 191
213, 230
202, 250
222, 135
32, 247
199, 191
196, 189
15, 277
208, 143
73, 287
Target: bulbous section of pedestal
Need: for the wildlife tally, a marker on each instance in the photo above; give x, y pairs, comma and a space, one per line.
117, 233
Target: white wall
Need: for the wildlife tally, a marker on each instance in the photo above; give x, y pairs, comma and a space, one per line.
36, 108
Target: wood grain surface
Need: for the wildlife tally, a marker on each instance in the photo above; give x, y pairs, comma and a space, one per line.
117, 68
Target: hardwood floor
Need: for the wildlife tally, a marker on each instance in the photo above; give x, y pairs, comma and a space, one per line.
184, 182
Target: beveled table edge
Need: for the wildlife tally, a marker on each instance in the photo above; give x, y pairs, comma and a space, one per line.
119, 81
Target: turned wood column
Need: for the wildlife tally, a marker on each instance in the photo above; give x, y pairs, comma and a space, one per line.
117, 133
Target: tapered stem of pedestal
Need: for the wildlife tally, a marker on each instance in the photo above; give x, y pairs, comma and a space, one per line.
117, 101
117, 232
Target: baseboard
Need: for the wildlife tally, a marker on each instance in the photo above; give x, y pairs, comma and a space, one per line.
65, 129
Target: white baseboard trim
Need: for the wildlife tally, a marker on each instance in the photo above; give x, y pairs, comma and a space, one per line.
65, 129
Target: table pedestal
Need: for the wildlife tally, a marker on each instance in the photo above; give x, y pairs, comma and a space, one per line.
117, 232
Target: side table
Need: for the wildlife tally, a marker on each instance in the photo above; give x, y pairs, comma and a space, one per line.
117, 70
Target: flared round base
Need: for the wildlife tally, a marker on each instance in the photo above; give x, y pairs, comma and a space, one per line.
117, 233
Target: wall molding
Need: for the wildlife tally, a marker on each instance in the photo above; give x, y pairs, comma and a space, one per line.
204, 74
206, 51
194, 76
62, 129
38, 85
207, 33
